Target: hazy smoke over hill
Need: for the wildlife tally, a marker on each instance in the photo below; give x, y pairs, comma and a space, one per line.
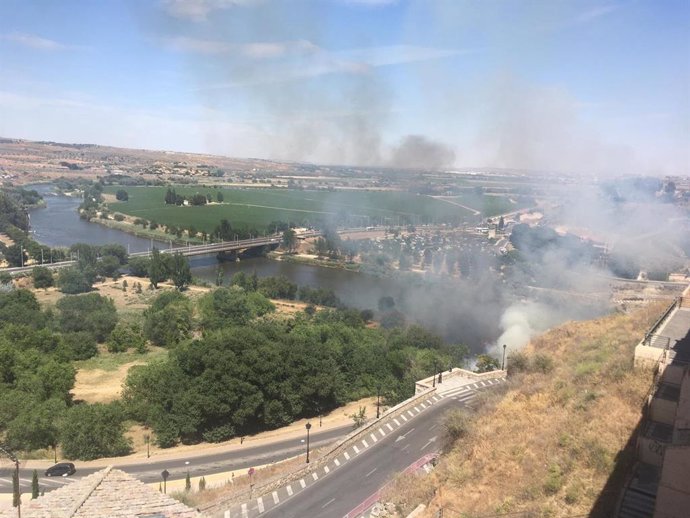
419, 152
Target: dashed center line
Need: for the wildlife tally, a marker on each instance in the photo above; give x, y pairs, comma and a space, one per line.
328, 503
372, 471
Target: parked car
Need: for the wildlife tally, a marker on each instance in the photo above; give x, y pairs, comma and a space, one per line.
62, 469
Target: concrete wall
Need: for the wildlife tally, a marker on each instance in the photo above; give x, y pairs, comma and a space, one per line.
650, 451
672, 374
663, 410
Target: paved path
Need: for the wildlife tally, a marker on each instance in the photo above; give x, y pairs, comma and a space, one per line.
677, 329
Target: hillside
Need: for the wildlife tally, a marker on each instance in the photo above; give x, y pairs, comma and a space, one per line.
557, 436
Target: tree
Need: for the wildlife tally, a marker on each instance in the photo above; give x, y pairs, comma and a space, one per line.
92, 312
34, 485
117, 251
125, 336
157, 268
122, 195
16, 255
109, 266
16, 491
42, 276
219, 197
92, 431
72, 280
80, 345
180, 272
168, 320
139, 266
289, 240
359, 417
187, 482
486, 363
501, 223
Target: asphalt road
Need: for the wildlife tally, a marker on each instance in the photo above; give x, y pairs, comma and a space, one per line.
347, 483
197, 466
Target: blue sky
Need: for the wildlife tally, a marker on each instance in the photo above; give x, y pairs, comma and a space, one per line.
581, 86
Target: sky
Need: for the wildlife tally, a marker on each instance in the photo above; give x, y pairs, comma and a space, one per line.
590, 86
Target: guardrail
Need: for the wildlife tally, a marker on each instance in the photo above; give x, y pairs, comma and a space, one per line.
675, 304
658, 341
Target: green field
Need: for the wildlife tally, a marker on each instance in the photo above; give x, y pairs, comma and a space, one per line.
259, 208
492, 205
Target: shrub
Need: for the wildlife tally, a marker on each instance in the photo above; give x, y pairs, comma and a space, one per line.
42, 277
542, 363
119, 217
517, 362
456, 426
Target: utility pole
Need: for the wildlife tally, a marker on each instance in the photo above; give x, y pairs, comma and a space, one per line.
308, 427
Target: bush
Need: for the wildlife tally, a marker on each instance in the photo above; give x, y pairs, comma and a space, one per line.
517, 362
119, 217
92, 313
542, 363
139, 266
42, 277
72, 281
456, 426
125, 336
80, 345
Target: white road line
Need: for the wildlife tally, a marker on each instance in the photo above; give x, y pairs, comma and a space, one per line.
315, 476
409, 412
337, 462
404, 447
226, 514
397, 423
244, 511
328, 503
402, 416
260, 504
390, 428
416, 409
275, 497
383, 434
373, 437
365, 443
482, 383
422, 405
365, 476
326, 469
289, 489
356, 449
302, 483
5, 480
432, 427
347, 456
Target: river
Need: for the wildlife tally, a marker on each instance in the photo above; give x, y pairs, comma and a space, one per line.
448, 310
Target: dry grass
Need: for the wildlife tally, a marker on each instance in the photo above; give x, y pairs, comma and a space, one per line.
550, 443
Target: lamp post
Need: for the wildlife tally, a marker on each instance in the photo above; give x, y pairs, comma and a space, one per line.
503, 363
440, 376
434, 383
378, 402
308, 427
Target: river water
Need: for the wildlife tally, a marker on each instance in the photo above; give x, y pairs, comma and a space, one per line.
442, 309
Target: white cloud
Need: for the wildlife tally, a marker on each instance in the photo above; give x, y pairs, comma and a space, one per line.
596, 12
255, 50
198, 10
371, 3
34, 42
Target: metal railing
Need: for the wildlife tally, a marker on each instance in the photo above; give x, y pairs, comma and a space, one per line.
675, 304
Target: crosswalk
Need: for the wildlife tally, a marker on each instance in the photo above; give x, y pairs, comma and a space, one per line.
469, 391
44, 483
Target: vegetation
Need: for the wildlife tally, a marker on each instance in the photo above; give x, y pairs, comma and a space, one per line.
557, 436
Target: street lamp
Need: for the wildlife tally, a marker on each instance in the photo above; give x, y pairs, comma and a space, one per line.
378, 404
503, 363
308, 427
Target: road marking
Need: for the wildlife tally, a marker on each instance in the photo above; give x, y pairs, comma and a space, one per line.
365, 476
482, 383
347, 456
328, 503
409, 412
401, 437
397, 423
260, 504
356, 449
226, 514
433, 439
390, 428
289, 489
373, 437
5, 480
315, 476
275, 497
337, 462
405, 447
416, 409
302, 483
326, 469
383, 434
244, 511
432, 427
423, 405
365, 443
402, 416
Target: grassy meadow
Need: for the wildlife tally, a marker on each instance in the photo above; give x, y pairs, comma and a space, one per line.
258, 208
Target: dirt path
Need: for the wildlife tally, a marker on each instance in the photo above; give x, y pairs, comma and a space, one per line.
441, 198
